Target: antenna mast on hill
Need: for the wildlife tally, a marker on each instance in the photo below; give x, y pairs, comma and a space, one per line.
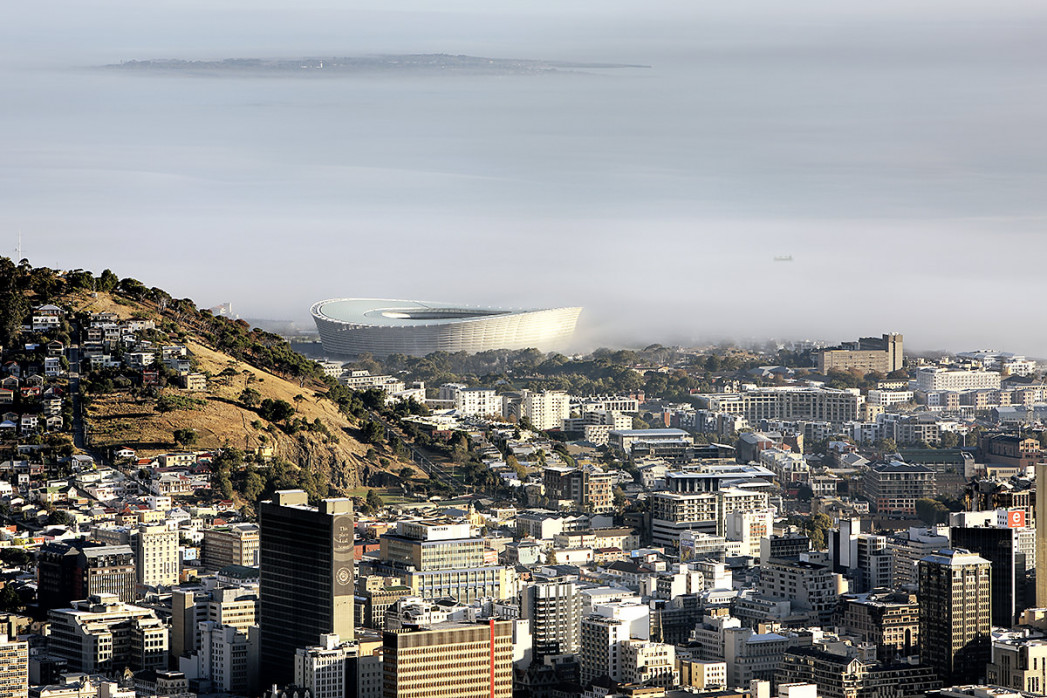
18, 250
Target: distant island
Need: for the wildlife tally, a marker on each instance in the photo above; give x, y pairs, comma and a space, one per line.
415, 63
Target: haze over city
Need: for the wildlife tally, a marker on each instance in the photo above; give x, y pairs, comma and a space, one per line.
895, 153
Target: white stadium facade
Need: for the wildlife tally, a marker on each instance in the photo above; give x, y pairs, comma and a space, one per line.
383, 326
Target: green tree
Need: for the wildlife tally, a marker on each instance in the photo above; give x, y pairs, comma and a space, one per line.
374, 500
250, 397
931, 511
185, 437
254, 485
372, 432
59, 518
276, 410
13, 303
10, 599
888, 445
817, 527
107, 281
15, 556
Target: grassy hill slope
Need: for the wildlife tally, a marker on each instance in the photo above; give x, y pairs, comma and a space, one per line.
328, 446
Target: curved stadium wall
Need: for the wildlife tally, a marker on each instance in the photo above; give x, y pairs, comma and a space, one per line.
381, 326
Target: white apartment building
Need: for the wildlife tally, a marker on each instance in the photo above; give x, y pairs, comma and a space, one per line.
749, 526
545, 410
808, 404
649, 663
928, 379
886, 398
476, 401
331, 369
611, 403
810, 587
705, 512
601, 647
362, 380
157, 562
322, 669
226, 657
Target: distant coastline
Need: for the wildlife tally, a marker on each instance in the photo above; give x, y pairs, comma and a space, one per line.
339, 65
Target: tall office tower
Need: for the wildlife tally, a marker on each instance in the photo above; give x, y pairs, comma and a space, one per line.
14, 668
999, 545
554, 608
463, 660
156, 556
1041, 535
306, 590
955, 614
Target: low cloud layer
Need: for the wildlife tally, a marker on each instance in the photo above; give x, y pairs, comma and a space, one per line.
895, 153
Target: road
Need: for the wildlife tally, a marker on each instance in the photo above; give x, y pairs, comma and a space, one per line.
433, 470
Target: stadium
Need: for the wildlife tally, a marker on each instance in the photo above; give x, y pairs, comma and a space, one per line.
383, 326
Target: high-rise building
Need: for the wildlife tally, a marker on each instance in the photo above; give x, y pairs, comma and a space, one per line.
14, 668
544, 410
590, 488
1041, 535
894, 488
999, 545
459, 660
156, 556
908, 549
889, 620
553, 606
226, 658
955, 614
812, 588
374, 595
306, 590
67, 572
600, 655
649, 663
234, 607
840, 674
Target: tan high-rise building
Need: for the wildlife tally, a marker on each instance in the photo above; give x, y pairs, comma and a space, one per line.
883, 354
955, 614
14, 668
463, 660
1041, 535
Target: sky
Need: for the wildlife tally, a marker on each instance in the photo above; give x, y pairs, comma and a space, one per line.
894, 150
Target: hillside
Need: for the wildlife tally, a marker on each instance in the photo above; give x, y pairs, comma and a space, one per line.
319, 436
